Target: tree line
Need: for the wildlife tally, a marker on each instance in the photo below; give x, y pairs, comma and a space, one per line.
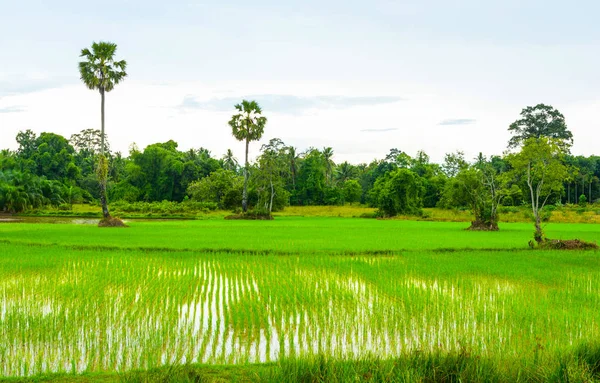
537, 169
48, 169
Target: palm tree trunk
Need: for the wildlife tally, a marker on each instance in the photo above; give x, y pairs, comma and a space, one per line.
245, 191
272, 195
103, 173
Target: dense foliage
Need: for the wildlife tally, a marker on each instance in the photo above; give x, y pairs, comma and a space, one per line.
47, 169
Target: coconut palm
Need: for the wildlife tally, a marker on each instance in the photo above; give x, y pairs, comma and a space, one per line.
229, 161
247, 125
101, 72
345, 171
329, 164
293, 160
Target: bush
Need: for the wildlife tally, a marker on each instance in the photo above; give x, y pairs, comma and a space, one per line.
164, 207
398, 192
508, 209
64, 207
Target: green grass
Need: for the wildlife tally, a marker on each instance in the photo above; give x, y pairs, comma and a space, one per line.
559, 214
308, 299
292, 235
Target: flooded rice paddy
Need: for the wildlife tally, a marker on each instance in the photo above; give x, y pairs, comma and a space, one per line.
96, 311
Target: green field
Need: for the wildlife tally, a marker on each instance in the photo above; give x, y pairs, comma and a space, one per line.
299, 297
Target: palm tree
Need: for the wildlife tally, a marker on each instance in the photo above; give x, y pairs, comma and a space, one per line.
229, 161
247, 125
329, 164
101, 72
345, 171
293, 159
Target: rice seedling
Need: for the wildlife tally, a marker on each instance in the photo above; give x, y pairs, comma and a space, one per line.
103, 304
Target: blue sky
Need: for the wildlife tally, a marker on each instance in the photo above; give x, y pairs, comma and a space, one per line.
362, 77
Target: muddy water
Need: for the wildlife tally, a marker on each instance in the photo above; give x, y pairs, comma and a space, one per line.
60, 220
75, 220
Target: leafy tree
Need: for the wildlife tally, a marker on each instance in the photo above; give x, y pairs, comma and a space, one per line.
454, 163
270, 177
540, 163
88, 142
160, 168
540, 121
399, 192
351, 191
311, 179
54, 158
223, 187
432, 176
480, 188
101, 72
399, 158
247, 125
27, 143
370, 174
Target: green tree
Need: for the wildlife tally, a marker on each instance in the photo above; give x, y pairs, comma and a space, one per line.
88, 142
311, 181
161, 167
540, 163
540, 121
247, 125
229, 161
54, 158
398, 192
345, 172
454, 163
329, 164
27, 143
101, 72
351, 191
223, 187
480, 188
272, 172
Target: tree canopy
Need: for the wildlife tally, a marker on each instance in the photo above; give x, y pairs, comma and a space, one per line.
540, 121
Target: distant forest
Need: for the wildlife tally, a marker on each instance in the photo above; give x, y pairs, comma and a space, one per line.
48, 169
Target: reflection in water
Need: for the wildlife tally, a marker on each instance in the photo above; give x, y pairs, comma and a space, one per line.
95, 313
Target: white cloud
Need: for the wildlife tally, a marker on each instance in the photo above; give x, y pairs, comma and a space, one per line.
146, 113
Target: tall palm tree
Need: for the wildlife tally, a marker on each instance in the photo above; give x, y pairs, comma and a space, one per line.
101, 72
247, 125
293, 159
329, 164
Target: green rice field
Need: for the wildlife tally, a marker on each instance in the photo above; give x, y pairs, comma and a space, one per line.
79, 299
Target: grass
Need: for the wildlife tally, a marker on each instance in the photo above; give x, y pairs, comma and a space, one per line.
521, 214
293, 235
296, 299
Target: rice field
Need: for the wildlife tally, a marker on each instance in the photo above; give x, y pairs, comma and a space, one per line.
75, 298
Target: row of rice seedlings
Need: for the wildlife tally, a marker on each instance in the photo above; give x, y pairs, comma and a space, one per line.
120, 313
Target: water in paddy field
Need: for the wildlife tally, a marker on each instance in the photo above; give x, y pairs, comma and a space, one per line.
104, 313
73, 220
62, 220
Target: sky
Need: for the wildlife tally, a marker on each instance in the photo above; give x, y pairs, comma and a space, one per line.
361, 77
